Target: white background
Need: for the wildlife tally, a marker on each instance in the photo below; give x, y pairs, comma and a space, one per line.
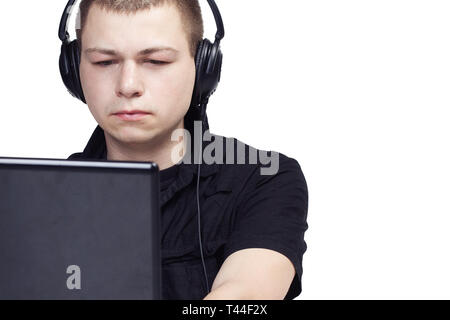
356, 91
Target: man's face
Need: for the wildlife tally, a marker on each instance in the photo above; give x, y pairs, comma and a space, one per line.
128, 80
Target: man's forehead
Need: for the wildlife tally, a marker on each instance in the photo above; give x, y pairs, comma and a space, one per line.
140, 53
161, 17
109, 33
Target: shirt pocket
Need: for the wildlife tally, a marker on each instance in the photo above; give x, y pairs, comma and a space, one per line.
219, 191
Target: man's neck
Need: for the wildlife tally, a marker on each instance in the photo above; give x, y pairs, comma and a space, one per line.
163, 150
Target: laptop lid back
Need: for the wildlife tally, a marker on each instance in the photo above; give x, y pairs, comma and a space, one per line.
79, 229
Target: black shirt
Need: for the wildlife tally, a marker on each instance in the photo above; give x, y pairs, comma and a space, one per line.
167, 176
240, 208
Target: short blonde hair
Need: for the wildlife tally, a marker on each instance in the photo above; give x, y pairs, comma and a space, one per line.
190, 11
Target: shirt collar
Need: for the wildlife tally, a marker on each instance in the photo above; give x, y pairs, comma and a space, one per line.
96, 149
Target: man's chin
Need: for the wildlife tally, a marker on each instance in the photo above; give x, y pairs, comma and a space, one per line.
130, 135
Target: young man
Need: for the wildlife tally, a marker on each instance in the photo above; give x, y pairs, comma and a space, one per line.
137, 72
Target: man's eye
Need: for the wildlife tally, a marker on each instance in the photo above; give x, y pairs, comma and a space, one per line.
104, 63
156, 61
109, 62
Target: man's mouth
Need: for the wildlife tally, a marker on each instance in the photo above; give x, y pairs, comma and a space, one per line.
132, 115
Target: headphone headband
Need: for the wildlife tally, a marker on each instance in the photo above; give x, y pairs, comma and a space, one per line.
219, 23
64, 35
62, 32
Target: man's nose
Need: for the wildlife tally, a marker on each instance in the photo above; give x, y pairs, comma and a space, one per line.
129, 82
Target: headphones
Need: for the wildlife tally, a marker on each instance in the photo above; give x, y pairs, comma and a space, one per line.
208, 61
208, 66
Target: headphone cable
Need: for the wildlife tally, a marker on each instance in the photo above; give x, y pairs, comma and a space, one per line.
203, 107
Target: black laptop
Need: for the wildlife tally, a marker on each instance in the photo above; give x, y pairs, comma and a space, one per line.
79, 229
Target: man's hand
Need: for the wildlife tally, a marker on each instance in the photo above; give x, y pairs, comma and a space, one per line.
253, 274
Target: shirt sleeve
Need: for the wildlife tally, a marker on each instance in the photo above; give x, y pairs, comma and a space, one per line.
271, 213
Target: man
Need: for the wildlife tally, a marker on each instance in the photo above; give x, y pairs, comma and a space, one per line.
252, 224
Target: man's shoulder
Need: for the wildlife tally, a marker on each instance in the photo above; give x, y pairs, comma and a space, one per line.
244, 166
234, 154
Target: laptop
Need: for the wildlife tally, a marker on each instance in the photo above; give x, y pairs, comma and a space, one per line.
79, 229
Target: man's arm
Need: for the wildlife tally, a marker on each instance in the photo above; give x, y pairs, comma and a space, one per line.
253, 274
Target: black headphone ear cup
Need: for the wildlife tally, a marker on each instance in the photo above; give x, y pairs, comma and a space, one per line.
198, 55
201, 63
198, 70
219, 62
213, 68
210, 69
69, 69
75, 69
64, 68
